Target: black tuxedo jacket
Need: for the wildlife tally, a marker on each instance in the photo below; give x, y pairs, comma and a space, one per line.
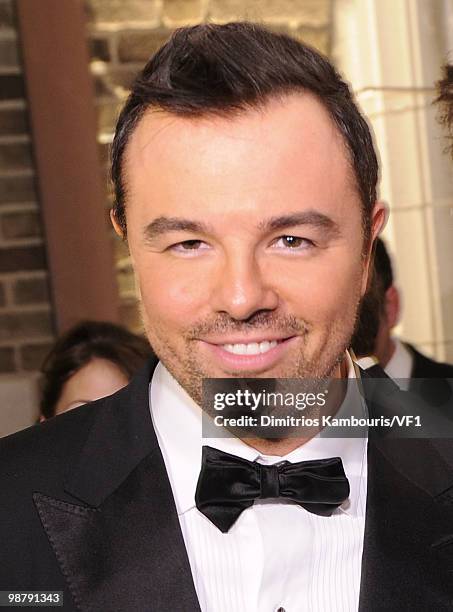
86, 508
424, 367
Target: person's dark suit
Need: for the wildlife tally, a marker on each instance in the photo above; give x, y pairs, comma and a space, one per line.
432, 380
424, 367
87, 508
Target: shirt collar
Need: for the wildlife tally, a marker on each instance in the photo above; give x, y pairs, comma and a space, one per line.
400, 365
177, 420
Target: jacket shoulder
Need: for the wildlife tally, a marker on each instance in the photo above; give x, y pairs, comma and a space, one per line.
425, 367
40, 454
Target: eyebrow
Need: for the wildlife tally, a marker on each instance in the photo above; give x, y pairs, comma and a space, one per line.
162, 225
309, 217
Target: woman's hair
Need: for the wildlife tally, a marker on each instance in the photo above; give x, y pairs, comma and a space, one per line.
78, 346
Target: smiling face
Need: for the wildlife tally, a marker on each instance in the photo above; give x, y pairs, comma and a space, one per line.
246, 237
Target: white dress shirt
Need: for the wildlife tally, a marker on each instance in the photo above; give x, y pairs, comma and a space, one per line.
400, 365
277, 554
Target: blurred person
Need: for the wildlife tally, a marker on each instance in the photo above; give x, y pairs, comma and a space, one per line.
91, 360
379, 313
245, 181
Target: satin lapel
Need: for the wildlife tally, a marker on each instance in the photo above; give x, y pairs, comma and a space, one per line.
408, 554
121, 549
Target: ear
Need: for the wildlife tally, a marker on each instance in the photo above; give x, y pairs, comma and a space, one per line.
116, 225
392, 306
379, 218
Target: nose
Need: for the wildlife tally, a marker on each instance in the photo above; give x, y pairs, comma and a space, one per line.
241, 288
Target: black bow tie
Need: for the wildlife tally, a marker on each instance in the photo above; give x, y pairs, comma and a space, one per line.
227, 485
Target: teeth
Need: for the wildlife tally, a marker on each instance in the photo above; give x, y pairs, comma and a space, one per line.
265, 346
254, 348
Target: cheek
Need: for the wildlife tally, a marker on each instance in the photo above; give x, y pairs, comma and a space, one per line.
324, 288
169, 294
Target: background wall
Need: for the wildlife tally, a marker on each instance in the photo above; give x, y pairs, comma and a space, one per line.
392, 53
25, 312
26, 326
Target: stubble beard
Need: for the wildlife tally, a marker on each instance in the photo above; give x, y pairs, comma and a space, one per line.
189, 368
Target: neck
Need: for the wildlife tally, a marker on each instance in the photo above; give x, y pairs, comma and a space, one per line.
283, 446
387, 353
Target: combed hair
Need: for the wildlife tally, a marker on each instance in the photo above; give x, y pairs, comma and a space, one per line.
228, 69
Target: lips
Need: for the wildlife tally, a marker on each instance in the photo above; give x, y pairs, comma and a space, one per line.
250, 356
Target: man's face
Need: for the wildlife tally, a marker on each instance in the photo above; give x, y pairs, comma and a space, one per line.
246, 238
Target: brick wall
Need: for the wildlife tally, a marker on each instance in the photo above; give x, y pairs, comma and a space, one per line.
26, 329
124, 33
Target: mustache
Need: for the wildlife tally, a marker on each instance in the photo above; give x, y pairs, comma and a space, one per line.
261, 320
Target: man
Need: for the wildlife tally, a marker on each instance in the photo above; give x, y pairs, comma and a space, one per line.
245, 183
379, 313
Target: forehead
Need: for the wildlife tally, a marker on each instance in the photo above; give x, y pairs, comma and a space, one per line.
289, 149
95, 378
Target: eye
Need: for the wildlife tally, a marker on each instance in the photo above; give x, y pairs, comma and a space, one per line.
293, 243
188, 246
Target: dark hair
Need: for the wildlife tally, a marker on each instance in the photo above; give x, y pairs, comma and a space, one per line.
382, 266
226, 69
445, 99
78, 346
372, 306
